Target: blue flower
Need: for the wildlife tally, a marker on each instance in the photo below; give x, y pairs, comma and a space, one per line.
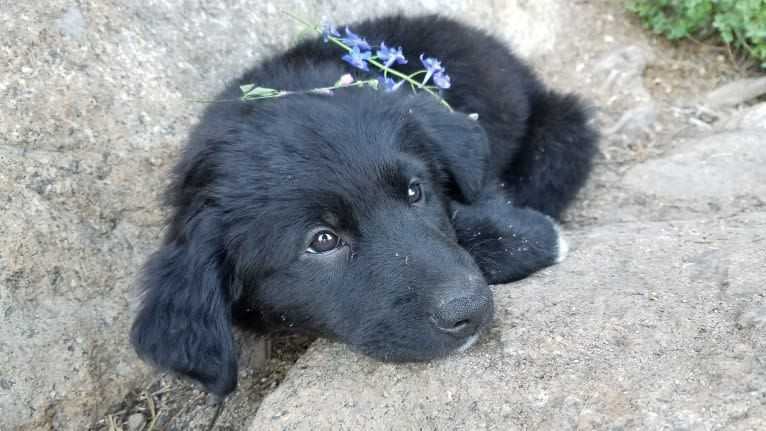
391, 55
352, 40
389, 83
358, 58
329, 30
434, 68
442, 80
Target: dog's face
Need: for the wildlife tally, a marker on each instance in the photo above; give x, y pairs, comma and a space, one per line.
325, 214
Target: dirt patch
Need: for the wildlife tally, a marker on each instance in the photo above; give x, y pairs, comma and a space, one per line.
171, 403
675, 76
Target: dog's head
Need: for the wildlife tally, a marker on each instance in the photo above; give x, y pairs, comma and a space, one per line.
327, 215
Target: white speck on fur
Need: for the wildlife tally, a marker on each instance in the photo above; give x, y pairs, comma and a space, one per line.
563, 246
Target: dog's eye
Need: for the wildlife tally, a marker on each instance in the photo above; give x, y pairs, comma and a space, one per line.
414, 192
324, 241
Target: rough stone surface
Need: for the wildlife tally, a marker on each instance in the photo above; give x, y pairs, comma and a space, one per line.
655, 321
96, 98
733, 93
647, 324
753, 117
136, 422
719, 169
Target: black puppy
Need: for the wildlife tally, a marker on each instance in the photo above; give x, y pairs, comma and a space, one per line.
374, 218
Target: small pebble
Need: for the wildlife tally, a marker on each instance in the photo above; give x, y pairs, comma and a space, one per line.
136, 422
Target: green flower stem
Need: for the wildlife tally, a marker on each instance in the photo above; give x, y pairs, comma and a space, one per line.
403, 76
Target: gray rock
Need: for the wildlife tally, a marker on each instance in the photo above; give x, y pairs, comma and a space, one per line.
136, 421
649, 326
736, 92
720, 169
752, 117
640, 117
718, 173
72, 23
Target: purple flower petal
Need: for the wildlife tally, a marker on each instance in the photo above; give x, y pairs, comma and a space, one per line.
442, 80
329, 30
352, 40
434, 69
390, 55
432, 66
358, 58
389, 83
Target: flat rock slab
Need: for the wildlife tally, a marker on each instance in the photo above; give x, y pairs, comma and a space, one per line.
717, 168
720, 173
655, 325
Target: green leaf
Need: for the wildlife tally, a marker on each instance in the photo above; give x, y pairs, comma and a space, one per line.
250, 92
739, 23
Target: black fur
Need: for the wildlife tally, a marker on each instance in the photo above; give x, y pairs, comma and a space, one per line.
259, 181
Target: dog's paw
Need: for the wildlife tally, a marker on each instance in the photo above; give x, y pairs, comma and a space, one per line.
508, 243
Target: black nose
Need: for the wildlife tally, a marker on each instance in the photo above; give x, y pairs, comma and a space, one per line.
462, 317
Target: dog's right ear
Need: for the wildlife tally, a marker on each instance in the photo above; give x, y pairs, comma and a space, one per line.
459, 143
185, 320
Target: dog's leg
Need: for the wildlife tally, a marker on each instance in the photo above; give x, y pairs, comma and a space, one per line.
507, 242
555, 156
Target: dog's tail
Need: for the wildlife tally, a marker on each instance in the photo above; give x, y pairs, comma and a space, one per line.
556, 154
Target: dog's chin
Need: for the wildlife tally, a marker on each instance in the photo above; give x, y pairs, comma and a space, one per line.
469, 343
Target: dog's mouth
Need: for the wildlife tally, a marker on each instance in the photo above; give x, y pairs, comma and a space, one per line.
480, 330
457, 320
483, 328
432, 338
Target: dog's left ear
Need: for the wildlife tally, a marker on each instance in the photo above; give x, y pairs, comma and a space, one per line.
185, 320
459, 144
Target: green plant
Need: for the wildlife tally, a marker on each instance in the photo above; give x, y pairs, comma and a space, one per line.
740, 23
